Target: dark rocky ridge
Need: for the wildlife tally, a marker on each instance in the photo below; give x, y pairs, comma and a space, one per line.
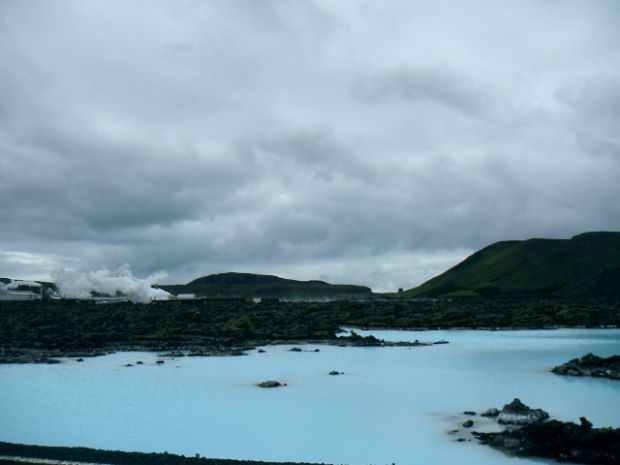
36, 331
193, 350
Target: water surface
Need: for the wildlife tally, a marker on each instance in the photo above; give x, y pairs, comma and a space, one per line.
391, 405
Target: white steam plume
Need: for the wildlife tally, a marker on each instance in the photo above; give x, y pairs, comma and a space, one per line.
15, 283
77, 284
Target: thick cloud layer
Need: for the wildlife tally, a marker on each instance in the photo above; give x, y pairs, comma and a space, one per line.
368, 142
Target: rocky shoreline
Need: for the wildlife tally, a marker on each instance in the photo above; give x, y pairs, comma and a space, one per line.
47, 356
528, 432
591, 365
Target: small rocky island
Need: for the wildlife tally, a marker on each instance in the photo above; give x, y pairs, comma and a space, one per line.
517, 413
591, 365
355, 339
528, 433
270, 384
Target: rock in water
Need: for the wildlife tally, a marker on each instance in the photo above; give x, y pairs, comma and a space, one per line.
517, 413
270, 384
492, 412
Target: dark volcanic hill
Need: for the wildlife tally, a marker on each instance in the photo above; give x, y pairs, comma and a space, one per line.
258, 285
587, 265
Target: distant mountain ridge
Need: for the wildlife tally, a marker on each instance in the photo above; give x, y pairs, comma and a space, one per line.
586, 264
259, 285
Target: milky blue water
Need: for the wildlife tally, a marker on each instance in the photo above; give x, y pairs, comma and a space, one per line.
391, 405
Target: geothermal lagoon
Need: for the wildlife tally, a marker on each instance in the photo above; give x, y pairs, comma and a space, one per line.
392, 404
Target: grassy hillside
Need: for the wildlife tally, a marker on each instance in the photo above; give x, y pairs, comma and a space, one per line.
587, 264
257, 285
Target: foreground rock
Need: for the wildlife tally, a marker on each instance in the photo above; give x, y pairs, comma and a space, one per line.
527, 433
517, 413
566, 442
591, 365
27, 454
270, 384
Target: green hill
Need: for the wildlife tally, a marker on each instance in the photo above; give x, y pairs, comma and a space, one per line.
258, 285
587, 264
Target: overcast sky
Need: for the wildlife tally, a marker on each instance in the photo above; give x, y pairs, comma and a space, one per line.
368, 142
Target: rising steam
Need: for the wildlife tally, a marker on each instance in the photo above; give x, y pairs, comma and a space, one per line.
16, 283
81, 285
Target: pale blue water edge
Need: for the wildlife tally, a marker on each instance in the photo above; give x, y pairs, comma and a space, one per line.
391, 405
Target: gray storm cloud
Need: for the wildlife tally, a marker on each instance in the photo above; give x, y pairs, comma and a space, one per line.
366, 142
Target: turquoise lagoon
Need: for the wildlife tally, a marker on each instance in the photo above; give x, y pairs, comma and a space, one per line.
392, 405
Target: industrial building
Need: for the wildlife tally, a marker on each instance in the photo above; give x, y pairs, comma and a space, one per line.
19, 296
15, 291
